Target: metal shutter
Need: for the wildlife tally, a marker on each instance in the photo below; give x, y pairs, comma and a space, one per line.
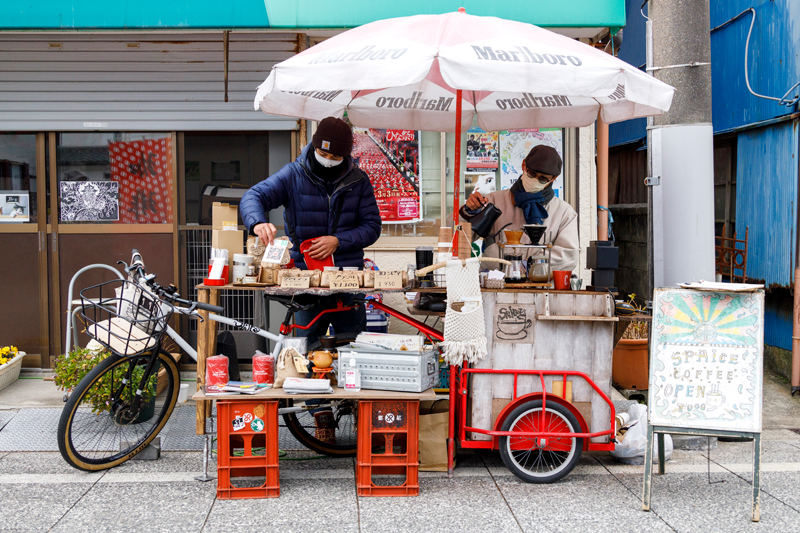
137, 81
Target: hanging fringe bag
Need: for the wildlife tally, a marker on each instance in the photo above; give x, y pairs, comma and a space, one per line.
464, 332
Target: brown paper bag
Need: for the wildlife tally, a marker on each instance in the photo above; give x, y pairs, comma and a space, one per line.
434, 423
285, 367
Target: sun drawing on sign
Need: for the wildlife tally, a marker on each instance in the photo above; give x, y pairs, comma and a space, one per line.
689, 318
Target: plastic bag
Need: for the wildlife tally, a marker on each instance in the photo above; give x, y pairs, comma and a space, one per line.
632, 448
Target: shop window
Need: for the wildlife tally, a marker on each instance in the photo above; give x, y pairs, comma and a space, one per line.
221, 167
115, 177
18, 184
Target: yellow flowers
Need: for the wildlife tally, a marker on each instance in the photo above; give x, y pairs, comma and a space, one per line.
7, 353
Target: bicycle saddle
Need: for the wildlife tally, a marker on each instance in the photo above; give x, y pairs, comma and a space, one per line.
287, 301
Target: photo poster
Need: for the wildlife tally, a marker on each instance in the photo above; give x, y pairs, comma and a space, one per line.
143, 169
483, 149
15, 207
706, 360
514, 147
391, 159
484, 182
89, 201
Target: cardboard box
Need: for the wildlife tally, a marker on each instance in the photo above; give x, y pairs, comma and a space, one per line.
233, 241
221, 213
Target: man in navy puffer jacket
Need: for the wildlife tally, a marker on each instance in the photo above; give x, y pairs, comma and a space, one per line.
328, 199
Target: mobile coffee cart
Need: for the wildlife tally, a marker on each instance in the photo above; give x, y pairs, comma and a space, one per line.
514, 400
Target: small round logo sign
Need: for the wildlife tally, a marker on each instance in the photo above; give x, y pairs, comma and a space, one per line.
257, 424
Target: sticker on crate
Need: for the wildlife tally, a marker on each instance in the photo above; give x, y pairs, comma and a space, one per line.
257, 425
389, 415
238, 423
259, 411
247, 417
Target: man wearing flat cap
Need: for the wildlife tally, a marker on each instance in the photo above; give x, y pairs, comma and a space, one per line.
531, 200
328, 200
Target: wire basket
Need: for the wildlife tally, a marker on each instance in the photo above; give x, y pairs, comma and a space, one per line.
123, 317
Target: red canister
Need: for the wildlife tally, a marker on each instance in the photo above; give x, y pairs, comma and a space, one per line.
217, 371
263, 368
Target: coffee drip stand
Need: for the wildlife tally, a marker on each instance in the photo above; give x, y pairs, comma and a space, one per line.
540, 265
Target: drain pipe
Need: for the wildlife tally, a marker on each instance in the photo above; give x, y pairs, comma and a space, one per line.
602, 179
796, 307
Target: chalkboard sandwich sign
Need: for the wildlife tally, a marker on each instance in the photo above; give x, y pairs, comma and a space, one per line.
706, 368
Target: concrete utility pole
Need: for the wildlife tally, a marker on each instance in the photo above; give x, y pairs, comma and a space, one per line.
681, 145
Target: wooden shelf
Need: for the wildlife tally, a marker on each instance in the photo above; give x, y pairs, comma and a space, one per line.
635, 318
422, 312
578, 318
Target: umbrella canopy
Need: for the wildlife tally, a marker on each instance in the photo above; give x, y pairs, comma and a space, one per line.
404, 73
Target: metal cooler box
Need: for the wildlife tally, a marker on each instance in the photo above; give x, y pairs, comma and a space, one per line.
392, 370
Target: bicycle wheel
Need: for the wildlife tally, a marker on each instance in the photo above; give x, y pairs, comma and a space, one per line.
99, 429
544, 459
331, 434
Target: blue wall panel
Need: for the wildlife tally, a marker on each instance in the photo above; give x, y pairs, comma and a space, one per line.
778, 319
633, 51
766, 200
774, 63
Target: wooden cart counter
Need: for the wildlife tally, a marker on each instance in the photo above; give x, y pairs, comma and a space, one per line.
338, 394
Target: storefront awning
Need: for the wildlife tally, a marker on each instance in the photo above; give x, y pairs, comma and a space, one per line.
321, 14
578, 18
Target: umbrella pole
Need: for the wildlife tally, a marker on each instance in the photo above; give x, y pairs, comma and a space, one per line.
456, 173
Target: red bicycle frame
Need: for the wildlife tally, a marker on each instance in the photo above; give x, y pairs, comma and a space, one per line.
286, 329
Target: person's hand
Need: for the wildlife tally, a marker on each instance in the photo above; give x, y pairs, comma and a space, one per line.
323, 247
475, 201
266, 232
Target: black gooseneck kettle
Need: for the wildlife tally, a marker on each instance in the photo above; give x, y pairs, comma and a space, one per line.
482, 219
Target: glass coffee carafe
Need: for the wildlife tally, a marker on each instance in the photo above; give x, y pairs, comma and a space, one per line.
538, 269
516, 272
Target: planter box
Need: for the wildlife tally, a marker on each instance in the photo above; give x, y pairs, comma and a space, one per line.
630, 366
9, 372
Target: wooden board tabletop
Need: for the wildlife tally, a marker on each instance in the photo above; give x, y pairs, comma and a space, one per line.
338, 394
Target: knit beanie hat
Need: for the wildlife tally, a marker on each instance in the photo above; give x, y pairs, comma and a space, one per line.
334, 136
543, 159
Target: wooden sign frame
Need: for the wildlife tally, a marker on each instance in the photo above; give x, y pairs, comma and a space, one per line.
706, 372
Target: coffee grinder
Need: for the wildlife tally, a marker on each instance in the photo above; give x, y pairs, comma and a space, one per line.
603, 258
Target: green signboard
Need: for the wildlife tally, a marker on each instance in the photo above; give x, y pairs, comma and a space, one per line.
288, 14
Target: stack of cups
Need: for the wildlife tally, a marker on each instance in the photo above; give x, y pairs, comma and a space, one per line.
465, 242
424, 259
444, 253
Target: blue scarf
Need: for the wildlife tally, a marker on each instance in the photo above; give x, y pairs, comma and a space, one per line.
532, 204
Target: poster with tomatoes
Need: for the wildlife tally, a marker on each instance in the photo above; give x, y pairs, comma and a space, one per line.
391, 160
143, 170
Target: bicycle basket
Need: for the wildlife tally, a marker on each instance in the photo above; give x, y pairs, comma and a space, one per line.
123, 317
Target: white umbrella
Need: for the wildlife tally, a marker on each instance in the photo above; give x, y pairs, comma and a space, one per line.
433, 72
405, 73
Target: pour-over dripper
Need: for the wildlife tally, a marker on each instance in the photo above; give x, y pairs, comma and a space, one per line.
534, 232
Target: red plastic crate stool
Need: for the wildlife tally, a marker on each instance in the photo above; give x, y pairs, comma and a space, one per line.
388, 445
247, 425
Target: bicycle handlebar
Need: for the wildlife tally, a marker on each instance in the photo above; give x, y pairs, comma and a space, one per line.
139, 274
208, 307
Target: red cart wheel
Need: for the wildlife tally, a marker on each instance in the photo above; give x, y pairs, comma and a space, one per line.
541, 459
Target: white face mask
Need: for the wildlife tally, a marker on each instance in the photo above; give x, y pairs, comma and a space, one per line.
532, 185
325, 162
